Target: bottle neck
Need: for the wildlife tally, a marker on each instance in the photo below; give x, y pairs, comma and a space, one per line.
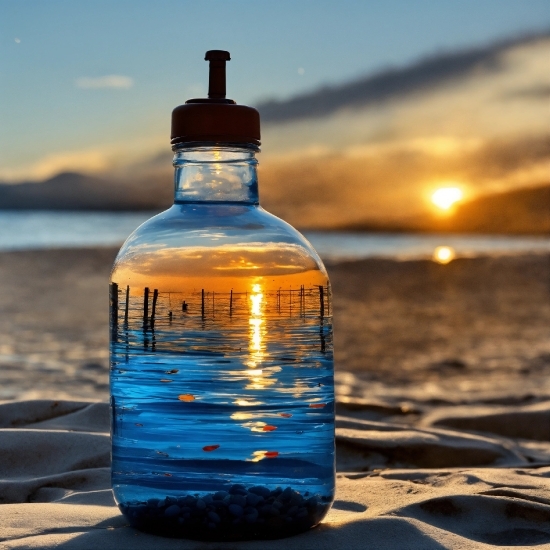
215, 173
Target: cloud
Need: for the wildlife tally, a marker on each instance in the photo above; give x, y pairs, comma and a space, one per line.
397, 83
116, 158
538, 92
394, 180
109, 81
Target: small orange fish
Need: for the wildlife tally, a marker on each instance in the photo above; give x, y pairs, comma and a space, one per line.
173, 371
269, 428
317, 405
271, 454
140, 425
209, 448
168, 475
285, 415
165, 380
186, 397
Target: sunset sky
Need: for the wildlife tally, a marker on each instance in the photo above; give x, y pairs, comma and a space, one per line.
477, 131
84, 86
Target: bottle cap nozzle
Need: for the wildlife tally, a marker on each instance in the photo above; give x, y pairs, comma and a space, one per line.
216, 80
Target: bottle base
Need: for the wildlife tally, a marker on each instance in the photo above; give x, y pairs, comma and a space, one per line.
240, 514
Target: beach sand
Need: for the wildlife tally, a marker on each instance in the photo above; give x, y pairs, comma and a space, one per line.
443, 413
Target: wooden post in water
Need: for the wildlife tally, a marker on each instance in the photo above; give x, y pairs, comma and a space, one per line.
321, 317
213, 306
145, 306
279, 300
114, 309
290, 300
154, 307
202, 303
127, 305
231, 303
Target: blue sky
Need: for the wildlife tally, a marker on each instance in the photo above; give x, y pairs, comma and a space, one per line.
53, 53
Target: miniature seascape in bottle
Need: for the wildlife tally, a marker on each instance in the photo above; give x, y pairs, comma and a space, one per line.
222, 388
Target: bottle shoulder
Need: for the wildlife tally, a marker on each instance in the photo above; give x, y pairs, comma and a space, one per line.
228, 230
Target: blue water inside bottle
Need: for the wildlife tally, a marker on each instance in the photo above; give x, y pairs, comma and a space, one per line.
232, 394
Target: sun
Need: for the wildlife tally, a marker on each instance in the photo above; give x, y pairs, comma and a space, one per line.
445, 197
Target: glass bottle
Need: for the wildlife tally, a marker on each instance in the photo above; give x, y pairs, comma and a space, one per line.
222, 389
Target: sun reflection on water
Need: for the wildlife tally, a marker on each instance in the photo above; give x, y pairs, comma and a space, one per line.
256, 322
256, 336
259, 378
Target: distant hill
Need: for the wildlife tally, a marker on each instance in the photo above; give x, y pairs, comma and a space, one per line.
521, 211
73, 191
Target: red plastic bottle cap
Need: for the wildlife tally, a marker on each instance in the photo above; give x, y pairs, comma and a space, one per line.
215, 119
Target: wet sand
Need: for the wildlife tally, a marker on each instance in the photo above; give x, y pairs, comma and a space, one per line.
473, 329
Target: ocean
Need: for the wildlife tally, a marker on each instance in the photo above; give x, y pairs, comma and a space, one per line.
30, 230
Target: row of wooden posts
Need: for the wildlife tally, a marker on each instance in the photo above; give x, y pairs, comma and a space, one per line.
150, 320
